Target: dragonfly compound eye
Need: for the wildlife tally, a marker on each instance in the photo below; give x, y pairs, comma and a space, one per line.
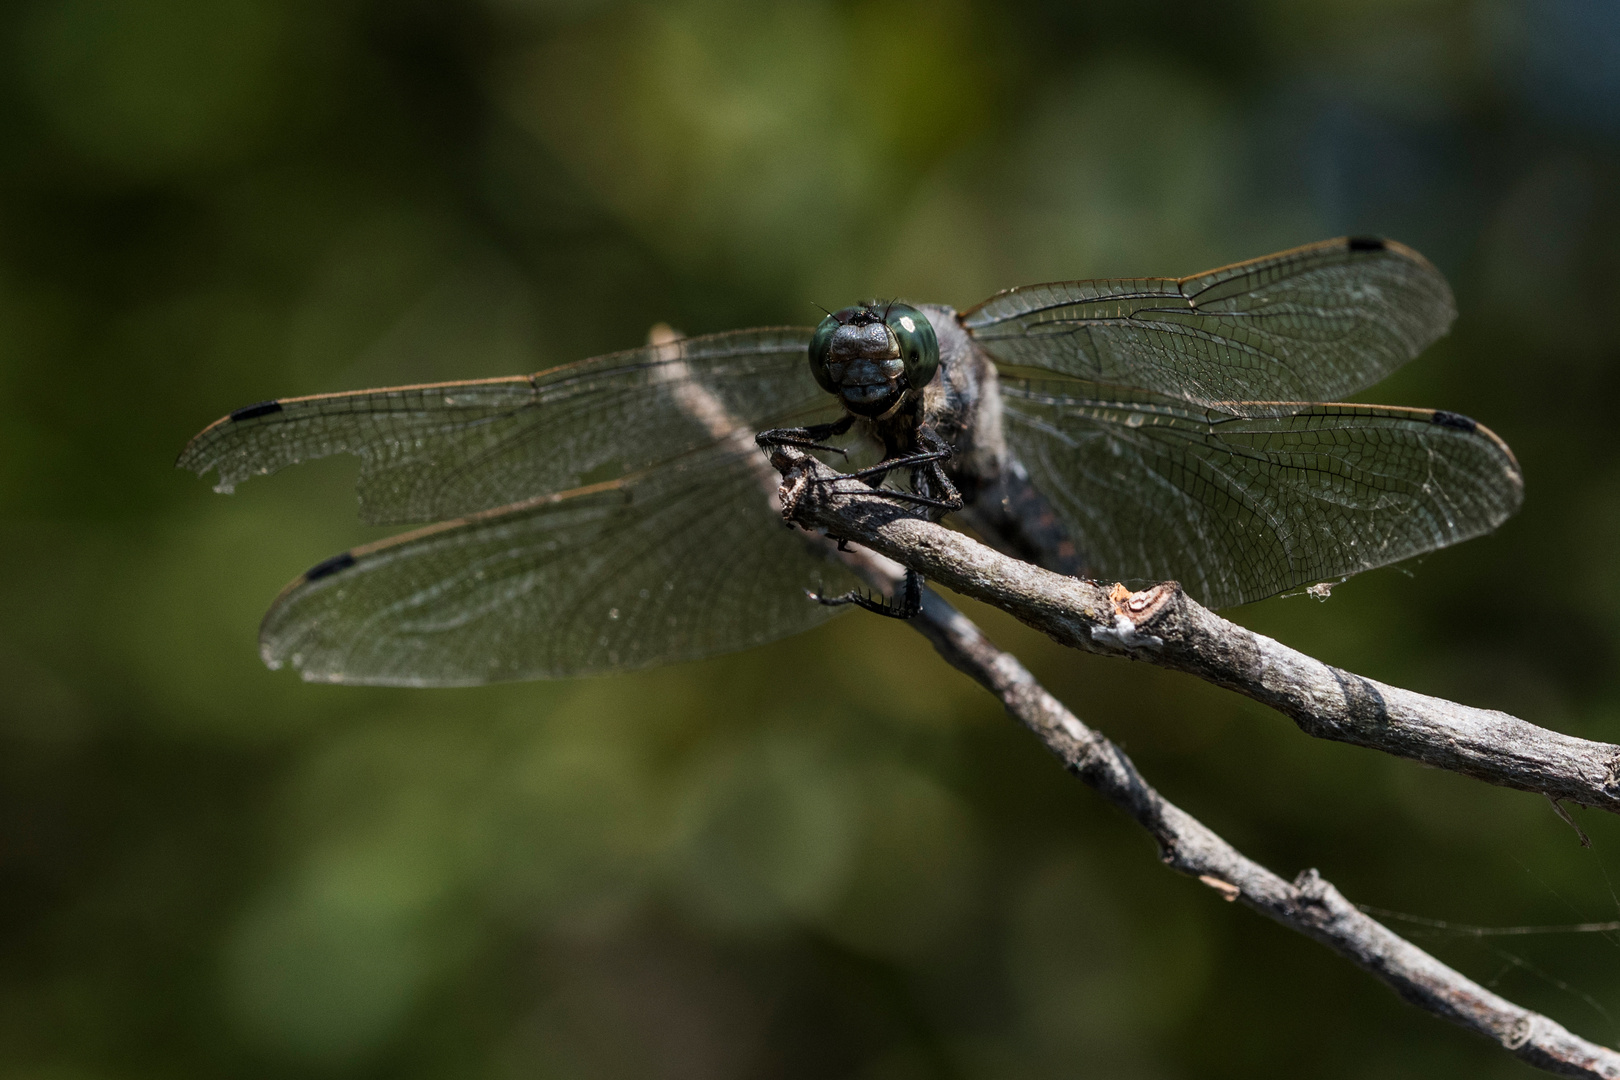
857, 355
820, 348
919, 348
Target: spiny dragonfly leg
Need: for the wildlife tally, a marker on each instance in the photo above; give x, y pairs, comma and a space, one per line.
807, 438
929, 477
930, 485
904, 606
883, 468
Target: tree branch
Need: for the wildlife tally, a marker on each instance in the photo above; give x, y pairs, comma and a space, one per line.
1161, 625
1310, 904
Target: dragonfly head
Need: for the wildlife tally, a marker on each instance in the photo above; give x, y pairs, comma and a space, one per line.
872, 355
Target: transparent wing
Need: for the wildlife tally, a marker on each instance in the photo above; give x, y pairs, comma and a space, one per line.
443, 450
1240, 508
1312, 324
686, 561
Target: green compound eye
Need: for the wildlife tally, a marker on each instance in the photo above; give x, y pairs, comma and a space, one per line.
919, 348
820, 345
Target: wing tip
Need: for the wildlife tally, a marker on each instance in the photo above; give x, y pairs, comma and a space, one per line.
1469, 425
192, 458
326, 568
1445, 313
1511, 471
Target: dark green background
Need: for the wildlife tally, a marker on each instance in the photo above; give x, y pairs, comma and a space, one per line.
832, 857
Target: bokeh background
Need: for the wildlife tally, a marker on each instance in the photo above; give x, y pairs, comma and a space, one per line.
832, 857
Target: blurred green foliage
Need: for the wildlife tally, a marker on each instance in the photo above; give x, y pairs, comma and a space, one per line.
832, 856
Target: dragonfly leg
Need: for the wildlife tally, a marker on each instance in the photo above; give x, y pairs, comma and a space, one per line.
807, 438
904, 606
928, 477
883, 468
946, 505
927, 472
930, 485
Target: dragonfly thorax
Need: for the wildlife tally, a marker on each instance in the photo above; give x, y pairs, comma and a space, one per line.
873, 356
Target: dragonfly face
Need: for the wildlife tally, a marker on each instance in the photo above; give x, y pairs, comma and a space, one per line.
872, 356
1131, 430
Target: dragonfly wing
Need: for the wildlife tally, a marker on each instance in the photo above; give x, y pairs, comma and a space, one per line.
1312, 324
674, 564
1238, 508
444, 450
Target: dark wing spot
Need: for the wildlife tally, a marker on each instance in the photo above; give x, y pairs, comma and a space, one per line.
330, 566
262, 408
1453, 420
1366, 243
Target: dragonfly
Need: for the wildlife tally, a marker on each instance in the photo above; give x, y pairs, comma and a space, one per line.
611, 514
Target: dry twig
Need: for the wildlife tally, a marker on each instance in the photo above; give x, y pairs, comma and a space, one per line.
1161, 625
